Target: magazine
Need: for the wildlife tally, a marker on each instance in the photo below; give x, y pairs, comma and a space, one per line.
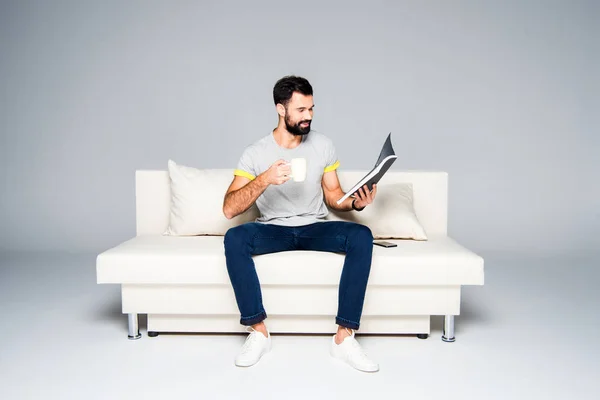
384, 162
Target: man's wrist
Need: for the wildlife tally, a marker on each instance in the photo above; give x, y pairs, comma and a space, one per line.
354, 207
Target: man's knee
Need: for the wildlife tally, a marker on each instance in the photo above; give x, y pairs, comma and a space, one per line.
360, 235
237, 237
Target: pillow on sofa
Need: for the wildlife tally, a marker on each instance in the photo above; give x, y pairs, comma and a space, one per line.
391, 216
197, 202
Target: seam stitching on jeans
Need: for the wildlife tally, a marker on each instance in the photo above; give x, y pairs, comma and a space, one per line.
256, 315
348, 321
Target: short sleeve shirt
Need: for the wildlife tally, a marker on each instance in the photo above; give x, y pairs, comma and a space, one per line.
292, 203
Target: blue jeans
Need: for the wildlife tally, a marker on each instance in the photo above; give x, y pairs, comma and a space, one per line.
246, 240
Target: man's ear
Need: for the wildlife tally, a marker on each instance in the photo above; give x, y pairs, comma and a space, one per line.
281, 110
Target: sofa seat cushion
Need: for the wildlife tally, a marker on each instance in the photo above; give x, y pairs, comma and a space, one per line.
157, 259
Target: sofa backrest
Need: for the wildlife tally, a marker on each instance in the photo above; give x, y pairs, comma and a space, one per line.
430, 190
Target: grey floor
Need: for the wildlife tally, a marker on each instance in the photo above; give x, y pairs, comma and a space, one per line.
531, 332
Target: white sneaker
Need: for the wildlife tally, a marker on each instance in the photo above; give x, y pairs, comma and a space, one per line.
350, 351
254, 347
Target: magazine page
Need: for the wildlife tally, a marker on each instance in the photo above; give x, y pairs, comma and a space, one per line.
387, 156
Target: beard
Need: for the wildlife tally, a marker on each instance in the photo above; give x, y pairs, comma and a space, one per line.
296, 129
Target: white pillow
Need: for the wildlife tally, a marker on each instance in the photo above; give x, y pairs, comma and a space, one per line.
197, 202
390, 216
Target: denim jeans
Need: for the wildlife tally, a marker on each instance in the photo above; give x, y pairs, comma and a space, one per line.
246, 240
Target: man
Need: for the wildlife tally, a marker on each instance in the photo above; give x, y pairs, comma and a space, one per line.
292, 218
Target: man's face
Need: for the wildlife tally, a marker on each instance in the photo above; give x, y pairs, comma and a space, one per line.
298, 114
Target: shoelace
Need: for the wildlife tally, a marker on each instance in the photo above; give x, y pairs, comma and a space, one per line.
250, 340
358, 354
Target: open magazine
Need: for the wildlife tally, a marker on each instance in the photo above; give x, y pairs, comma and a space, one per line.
384, 162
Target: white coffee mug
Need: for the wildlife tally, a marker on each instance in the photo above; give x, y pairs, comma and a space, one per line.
298, 166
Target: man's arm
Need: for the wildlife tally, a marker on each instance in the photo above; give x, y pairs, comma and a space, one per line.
333, 192
243, 192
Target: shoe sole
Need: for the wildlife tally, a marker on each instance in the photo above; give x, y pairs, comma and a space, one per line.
267, 350
353, 367
350, 365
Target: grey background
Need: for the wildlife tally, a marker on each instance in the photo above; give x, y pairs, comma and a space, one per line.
503, 95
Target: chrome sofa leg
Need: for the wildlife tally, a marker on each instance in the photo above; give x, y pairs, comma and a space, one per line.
448, 335
134, 329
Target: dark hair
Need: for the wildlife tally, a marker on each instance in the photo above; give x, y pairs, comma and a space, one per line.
286, 86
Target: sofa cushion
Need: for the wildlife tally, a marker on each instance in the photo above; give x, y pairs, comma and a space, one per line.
156, 259
390, 216
197, 202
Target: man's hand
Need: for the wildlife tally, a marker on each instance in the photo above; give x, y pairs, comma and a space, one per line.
278, 173
364, 197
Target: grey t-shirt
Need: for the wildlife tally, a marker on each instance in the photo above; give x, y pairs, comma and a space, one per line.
292, 203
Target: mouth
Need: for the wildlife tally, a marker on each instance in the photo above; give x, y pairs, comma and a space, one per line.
305, 124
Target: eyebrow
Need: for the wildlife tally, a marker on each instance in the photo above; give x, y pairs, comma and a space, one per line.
301, 108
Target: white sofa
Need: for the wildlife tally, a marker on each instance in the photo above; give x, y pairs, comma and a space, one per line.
182, 284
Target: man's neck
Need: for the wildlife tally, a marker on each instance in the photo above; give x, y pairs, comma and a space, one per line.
286, 139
